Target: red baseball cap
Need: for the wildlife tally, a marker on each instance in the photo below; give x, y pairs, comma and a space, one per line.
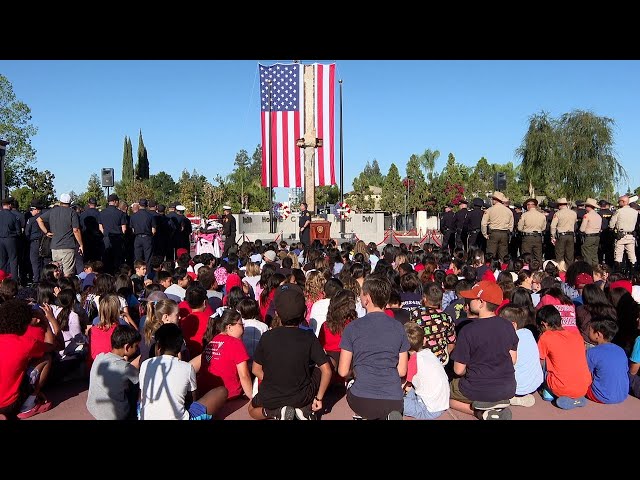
485, 290
583, 279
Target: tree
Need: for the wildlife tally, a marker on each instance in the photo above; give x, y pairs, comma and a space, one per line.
255, 169
127, 161
164, 187
133, 191
417, 187
190, 189
327, 195
481, 179
40, 183
539, 151
94, 190
142, 165
392, 198
373, 174
428, 161
15, 128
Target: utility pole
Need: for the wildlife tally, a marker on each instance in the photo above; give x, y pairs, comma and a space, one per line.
309, 140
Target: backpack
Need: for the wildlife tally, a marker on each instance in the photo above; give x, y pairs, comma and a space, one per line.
44, 250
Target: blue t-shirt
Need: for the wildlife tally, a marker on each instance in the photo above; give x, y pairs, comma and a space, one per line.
528, 369
635, 354
610, 371
483, 346
376, 341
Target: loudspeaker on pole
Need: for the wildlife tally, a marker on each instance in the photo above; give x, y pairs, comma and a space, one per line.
107, 177
500, 181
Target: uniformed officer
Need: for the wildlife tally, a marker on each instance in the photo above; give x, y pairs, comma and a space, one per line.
623, 223
548, 247
113, 225
515, 243
175, 223
182, 235
473, 223
91, 234
228, 230
162, 238
458, 224
143, 226
580, 212
10, 229
496, 225
531, 226
590, 228
21, 244
563, 226
607, 240
447, 227
304, 225
33, 235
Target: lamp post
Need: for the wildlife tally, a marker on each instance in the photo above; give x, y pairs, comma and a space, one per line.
3, 151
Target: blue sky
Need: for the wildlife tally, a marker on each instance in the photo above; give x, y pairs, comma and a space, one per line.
199, 114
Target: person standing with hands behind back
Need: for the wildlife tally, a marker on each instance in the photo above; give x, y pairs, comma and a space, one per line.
305, 224
228, 230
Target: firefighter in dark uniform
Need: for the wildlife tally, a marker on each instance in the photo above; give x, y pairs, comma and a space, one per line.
91, 234
607, 239
113, 225
175, 224
447, 227
581, 211
143, 226
162, 238
304, 225
33, 234
182, 235
515, 244
10, 230
228, 230
458, 224
472, 224
548, 248
21, 243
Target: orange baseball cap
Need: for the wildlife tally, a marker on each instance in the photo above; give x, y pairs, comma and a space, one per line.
485, 290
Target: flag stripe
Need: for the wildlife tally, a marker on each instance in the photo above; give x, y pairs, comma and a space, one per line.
265, 148
285, 150
324, 121
276, 138
299, 154
319, 102
331, 123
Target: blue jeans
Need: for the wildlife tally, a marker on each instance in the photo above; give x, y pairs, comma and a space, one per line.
415, 407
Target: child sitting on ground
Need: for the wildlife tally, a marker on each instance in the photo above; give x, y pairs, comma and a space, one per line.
607, 363
528, 369
167, 384
110, 394
564, 361
427, 386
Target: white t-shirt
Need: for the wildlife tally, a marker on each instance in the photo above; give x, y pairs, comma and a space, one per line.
164, 383
318, 314
177, 290
253, 281
635, 293
253, 330
431, 382
528, 369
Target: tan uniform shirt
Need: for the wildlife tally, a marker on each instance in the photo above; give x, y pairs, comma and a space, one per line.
532, 221
497, 217
564, 220
624, 219
591, 223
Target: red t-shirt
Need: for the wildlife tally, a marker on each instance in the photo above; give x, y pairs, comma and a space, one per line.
412, 367
99, 341
193, 327
265, 306
330, 341
220, 361
566, 362
419, 267
15, 353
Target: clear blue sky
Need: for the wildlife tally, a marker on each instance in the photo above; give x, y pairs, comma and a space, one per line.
199, 114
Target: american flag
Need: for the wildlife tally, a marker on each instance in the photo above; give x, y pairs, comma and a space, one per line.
282, 123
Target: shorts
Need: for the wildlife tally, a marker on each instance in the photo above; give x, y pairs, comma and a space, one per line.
373, 408
456, 394
198, 411
66, 256
414, 407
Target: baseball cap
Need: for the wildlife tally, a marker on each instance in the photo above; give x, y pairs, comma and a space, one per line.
289, 302
155, 297
143, 202
161, 208
270, 255
92, 201
113, 198
485, 290
153, 203
6, 201
583, 279
182, 208
35, 203
65, 198
181, 251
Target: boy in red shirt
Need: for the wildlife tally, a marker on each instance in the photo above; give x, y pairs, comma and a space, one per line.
195, 323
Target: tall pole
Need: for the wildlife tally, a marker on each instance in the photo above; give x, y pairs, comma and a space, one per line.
3, 180
271, 229
341, 164
406, 198
309, 140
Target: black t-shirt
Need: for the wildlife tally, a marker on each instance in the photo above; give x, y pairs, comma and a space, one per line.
62, 221
112, 219
304, 217
286, 354
483, 346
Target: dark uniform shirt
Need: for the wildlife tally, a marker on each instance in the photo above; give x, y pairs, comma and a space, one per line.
89, 223
459, 218
229, 226
32, 230
606, 215
473, 220
20, 217
9, 224
304, 217
447, 222
142, 222
112, 219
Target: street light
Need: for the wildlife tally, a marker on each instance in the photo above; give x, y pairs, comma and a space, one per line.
3, 151
407, 182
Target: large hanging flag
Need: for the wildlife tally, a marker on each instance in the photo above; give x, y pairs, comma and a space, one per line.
282, 123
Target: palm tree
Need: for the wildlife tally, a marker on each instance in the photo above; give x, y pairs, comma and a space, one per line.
428, 161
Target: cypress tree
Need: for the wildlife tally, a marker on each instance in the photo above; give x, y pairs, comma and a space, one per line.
127, 161
142, 166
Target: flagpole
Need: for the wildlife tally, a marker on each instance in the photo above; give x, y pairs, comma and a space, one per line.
341, 165
271, 229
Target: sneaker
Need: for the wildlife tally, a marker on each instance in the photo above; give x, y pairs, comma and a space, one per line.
523, 401
394, 415
305, 413
41, 406
568, 403
546, 395
357, 417
490, 405
349, 383
284, 413
493, 414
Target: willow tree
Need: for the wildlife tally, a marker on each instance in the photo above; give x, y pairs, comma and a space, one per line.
571, 156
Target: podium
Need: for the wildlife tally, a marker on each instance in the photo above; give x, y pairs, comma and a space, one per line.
321, 230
